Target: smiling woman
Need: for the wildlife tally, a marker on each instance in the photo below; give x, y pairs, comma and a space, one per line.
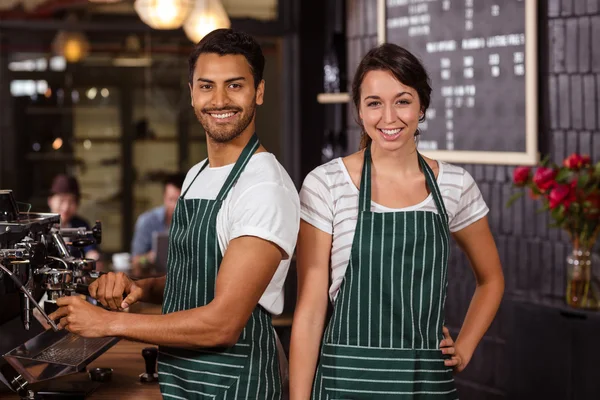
374, 240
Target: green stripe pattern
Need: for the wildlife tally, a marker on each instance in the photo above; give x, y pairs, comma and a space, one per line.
249, 369
382, 341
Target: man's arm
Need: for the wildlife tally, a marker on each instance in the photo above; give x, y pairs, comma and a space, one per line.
247, 268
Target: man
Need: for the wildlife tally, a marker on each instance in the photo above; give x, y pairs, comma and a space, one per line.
64, 199
233, 233
155, 220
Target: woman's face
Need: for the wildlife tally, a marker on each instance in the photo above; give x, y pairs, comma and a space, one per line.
390, 111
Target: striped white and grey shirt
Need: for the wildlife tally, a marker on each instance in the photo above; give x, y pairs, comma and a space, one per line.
329, 201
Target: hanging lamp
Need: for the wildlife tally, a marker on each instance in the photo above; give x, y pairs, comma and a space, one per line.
206, 16
163, 14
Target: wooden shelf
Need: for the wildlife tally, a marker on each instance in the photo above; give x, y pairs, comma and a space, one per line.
138, 141
333, 98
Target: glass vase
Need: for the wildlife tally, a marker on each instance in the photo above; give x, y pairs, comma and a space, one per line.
582, 289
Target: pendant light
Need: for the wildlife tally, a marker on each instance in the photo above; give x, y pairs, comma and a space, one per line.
206, 16
73, 46
163, 14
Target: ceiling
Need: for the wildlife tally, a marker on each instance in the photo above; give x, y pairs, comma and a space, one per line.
33, 9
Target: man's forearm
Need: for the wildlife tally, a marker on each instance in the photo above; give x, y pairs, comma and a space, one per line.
197, 327
152, 289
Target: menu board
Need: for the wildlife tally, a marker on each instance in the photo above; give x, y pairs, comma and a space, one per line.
481, 58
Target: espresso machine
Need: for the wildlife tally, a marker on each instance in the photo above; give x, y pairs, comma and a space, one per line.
40, 260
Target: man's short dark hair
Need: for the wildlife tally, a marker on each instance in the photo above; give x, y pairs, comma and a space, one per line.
175, 180
229, 41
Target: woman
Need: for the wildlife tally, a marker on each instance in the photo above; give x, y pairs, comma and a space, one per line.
382, 218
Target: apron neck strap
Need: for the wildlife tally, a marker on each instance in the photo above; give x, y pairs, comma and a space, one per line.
239, 166
192, 182
364, 198
432, 185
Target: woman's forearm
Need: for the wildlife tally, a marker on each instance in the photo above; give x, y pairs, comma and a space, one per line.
304, 352
482, 310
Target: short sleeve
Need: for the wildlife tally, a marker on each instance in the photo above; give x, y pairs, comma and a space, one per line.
471, 205
316, 202
268, 211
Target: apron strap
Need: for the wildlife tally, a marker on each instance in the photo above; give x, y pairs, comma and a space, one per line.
239, 166
433, 187
193, 180
364, 198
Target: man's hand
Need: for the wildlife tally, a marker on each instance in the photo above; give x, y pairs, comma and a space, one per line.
109, 289
80, 317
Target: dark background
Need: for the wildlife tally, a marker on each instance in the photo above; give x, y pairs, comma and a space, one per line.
496, 122
535, 347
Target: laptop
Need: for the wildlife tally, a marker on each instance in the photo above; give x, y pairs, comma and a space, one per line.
160, 246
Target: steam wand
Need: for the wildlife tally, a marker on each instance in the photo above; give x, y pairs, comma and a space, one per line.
22, 288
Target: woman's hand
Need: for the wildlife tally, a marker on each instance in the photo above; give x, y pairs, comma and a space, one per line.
458, 361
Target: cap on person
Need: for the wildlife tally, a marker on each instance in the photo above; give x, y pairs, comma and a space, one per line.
65, 184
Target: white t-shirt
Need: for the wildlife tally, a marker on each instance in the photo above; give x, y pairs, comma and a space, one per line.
263, 203
329, 201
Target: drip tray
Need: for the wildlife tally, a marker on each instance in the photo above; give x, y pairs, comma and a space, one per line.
72, 350
53, 354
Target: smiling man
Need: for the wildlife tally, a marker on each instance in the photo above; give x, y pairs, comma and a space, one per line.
232, 237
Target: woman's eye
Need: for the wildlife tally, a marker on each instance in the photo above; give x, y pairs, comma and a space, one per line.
373, 104
403, 101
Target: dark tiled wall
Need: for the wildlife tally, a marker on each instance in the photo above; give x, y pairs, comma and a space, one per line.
533, 255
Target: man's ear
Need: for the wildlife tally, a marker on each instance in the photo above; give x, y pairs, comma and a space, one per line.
191, 93
260, 92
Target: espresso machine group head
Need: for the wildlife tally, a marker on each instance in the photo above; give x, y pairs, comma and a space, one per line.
39, 257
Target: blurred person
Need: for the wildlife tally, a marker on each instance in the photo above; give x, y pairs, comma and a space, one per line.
64, 199
155, 220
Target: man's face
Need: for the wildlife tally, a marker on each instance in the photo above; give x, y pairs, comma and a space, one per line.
170, 198
223, 95
64, 204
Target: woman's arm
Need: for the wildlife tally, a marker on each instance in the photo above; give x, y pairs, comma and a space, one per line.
477, 242
313, 252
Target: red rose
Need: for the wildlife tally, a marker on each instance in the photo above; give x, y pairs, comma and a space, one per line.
521, 175
561, 194
544, 178
576, 161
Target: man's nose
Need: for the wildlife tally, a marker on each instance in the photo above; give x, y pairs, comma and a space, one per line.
220, 98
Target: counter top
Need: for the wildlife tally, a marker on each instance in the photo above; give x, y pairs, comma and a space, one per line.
125, 358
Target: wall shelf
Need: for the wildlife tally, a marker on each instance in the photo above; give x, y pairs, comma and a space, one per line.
333, 98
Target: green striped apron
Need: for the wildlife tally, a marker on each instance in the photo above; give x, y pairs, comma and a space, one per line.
249, 369
382, 341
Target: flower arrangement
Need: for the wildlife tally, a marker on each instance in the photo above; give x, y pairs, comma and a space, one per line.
570, 192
